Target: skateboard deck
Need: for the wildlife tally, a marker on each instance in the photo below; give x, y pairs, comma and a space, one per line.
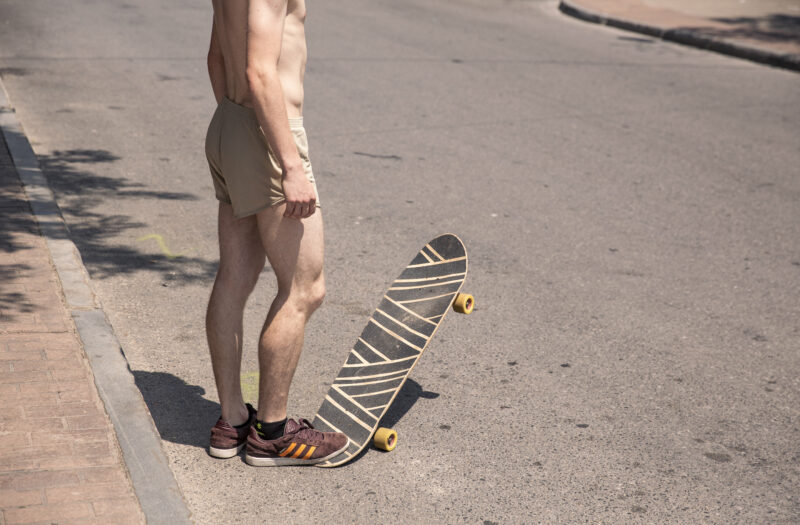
390, 345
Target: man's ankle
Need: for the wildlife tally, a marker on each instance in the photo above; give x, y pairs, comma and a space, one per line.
237, 417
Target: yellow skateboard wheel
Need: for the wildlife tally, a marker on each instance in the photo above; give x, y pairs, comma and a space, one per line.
464, 303
385, 439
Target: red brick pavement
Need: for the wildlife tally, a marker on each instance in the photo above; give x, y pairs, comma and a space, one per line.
59, 457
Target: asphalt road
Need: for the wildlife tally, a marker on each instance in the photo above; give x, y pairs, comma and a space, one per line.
631, 210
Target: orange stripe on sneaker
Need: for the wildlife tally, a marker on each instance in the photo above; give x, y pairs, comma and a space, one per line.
288, 450
299, 451
310, 451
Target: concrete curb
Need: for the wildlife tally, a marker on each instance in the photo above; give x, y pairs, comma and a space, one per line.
686, 36
153, 481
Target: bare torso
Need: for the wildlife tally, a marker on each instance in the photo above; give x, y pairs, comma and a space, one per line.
230, 19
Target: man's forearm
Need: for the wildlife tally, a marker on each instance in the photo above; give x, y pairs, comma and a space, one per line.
265, 33
270, 108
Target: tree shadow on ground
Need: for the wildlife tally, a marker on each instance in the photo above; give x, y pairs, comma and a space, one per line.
71, 174
14, 208
18, 225
13, 303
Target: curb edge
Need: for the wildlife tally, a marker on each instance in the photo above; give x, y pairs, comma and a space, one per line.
154, 484
686, 36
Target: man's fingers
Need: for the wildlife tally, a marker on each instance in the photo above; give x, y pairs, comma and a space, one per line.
297, 210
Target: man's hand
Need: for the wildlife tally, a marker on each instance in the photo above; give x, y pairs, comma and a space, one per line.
301, 200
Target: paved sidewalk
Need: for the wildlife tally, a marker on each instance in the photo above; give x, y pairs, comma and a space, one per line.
766, 31
59, 456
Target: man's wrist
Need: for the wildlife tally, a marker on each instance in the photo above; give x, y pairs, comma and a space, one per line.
293, 168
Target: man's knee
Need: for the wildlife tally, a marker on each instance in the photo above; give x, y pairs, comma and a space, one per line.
309, 297
316, 294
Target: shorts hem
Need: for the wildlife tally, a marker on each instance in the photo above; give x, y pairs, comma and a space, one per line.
264, 207
257, 209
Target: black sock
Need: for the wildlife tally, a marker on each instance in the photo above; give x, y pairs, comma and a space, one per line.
270, 430
250, 413
247, 422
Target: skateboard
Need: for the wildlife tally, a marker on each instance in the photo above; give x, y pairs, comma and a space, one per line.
390, 345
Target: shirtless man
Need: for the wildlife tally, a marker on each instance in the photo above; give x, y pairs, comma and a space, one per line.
268, 209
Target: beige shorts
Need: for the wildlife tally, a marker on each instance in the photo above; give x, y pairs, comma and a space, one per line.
246, 173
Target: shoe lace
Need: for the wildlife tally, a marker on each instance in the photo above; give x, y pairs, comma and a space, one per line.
307, 431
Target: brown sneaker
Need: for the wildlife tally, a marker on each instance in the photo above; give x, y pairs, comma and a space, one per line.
227, 440
299, 445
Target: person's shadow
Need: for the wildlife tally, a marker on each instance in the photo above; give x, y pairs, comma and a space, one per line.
182, 415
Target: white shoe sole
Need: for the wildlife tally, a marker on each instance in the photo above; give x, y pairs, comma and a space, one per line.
225, 453
285, 462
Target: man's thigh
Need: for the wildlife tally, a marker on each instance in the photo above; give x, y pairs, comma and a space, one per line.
240, 249
295, 248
